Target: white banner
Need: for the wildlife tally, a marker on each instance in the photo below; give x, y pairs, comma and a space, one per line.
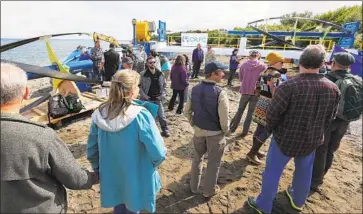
192, 39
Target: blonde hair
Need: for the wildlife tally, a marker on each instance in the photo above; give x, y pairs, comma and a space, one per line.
120, 97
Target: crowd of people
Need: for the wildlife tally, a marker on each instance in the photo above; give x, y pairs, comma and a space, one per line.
303, 115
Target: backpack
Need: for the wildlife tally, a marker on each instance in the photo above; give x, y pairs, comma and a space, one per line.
59, 106
74, 103
351, 89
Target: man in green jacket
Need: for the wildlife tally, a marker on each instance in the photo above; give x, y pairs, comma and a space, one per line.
36, 165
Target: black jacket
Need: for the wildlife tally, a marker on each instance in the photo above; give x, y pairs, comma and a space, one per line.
112, 63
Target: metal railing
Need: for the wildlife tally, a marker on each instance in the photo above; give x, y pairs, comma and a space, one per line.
218, 42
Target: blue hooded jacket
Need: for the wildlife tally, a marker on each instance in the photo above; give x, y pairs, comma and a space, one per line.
126, 152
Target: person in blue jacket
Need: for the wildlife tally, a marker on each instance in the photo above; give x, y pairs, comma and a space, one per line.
125, 147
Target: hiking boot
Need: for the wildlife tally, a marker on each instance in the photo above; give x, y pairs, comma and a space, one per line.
217, 190
194, 192
261, 155
292, 203
165, 133
243, 135
252, 157
251, 201
253, 154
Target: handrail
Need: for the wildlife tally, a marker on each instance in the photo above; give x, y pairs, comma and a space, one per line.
329, 43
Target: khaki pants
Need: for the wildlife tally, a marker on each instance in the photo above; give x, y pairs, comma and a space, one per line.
214, 145
166, 75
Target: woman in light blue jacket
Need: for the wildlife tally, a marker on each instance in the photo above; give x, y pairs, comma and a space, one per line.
125, 147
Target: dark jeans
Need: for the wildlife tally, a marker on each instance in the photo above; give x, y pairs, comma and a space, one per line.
161, 116
181, 100
232, 72
325, 153
196, 68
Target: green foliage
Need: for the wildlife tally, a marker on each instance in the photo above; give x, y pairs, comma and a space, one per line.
339, 16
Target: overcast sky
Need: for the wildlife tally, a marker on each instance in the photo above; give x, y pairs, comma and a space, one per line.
28, 19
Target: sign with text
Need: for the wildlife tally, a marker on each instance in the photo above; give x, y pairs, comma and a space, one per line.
192, 39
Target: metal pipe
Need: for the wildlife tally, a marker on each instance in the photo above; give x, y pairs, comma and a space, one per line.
134, 31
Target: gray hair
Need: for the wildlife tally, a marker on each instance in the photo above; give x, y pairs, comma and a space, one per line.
13, 82
312, 57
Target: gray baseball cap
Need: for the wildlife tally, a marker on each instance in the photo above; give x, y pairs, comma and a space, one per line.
127, 60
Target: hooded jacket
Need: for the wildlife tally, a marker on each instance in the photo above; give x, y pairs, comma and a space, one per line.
249, 75
127, 151
179, 77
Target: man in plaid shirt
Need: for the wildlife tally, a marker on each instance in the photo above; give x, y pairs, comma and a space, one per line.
300, 111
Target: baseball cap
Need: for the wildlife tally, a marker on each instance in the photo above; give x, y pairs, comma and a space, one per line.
274, 57
254, 53
214, 66
344, 58
127, 60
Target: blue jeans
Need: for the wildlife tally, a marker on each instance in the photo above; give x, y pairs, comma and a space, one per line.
121, 209
275, 164
96, 73
161, 116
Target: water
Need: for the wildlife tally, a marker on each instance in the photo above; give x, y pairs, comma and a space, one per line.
35, 53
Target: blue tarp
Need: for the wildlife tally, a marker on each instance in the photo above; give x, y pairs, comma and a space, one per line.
356, 68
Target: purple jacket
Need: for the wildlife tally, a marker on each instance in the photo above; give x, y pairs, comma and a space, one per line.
249, 74
233, 63
178, 77
198, 55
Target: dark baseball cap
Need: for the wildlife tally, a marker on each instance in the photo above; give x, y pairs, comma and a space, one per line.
344, 58
214, 66
254, 53
127, 60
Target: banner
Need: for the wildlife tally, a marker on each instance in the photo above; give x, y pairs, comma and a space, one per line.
348, 42
192, 39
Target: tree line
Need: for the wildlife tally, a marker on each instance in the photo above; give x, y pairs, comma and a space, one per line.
339, 16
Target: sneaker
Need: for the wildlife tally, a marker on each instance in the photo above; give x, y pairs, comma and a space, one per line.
292, 203
251, 201
165, 133
217, 189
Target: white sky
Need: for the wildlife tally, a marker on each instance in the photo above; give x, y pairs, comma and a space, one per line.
28, 19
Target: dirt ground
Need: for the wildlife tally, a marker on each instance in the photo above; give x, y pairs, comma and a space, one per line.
341, 191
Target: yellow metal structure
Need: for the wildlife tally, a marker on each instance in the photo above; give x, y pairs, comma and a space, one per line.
105, 38
143, 33
54, 60
329, 44
64, 87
